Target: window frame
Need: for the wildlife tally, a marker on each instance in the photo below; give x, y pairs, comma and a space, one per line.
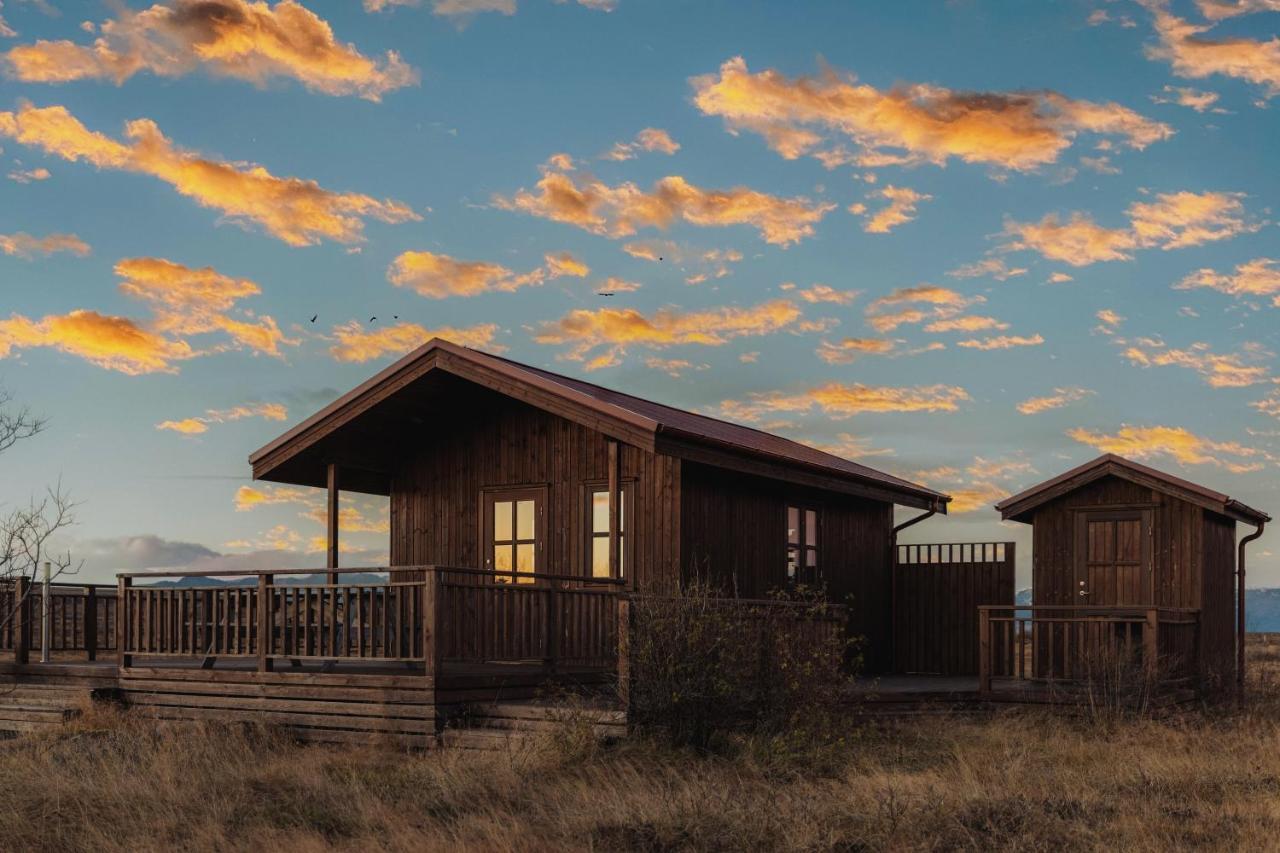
800, 547
491, 495
626, 545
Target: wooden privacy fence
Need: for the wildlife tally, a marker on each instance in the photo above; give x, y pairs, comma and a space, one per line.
937, 589
1055, 643
82, 618
426, 614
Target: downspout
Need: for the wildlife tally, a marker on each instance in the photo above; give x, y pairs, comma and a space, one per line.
893, 582
1240, 612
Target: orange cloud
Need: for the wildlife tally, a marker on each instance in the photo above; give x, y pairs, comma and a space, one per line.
1194, 55
439, 276
355, 343
845, 351
673, 367
1176, 442
1059, 398
301, 213
1172, 221
900, 209
841, 400
917, 122
613, 330
1191, 98
198, 425
23, 245
979, 485
994, 267
823, 293
229, 38
966, 323
618, 211
649, 139
114, 343
1108, 322
1232, 370
1258, 277
1003, 342
27, 176
942, 302
1217, 10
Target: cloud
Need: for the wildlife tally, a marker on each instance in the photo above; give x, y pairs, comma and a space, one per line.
819, 293
841, 400
1185, 97
1176, 442
1059, 278
941, 303
1259, 277
966, 323
993, 267
249, 41
614, 330
649, 139
135, 553
1217, 10
354, 343
439, 276
1172, 221
1058, 399
1020, 131
978, 485
184, 302
618, 211
900, 209
1108, 322
301, 213
1194, 55
613, 284
673, 367
198, 425
850, 446
27, 176
23, 245
466, 8
1230, 370
847, 350
1002, 342
1269, 405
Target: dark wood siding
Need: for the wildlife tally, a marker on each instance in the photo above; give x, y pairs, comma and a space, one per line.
1218, 615
488, 441
733, 531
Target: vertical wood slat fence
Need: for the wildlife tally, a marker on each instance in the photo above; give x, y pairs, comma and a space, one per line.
434, 615
937, 589
1072, 644
82, 617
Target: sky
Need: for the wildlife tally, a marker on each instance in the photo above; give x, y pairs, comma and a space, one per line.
970, 243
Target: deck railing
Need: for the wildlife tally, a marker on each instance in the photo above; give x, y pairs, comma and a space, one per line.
419, 614
1068, 643
82, 618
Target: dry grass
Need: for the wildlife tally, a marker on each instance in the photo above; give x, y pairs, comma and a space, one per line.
1024, 781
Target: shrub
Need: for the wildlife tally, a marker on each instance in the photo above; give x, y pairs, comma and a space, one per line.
704, 666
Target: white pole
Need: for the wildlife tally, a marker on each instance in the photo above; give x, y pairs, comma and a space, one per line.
44, 616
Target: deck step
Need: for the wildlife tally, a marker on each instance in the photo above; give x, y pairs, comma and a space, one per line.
26, 708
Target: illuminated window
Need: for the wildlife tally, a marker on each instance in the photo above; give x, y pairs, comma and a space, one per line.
598, 543
514, 525
802, 545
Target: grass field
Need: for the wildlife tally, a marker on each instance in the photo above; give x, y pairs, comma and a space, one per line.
1020, 780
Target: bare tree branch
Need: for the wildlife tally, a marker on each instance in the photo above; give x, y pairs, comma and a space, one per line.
16, 424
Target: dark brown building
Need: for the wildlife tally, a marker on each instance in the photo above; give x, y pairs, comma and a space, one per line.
1113, 533
501, 466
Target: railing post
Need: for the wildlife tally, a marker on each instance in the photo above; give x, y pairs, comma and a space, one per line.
123, 659
553, 626
21, 619
91, 622
984, 652
432, 648
46, 614
1151, 640
266, 622
624, 652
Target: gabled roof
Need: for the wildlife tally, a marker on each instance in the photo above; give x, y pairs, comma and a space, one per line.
1019, 506
643, 423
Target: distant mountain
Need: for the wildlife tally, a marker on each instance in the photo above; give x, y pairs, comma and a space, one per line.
1262, 608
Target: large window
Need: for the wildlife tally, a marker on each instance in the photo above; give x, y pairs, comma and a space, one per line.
598, 538
802, 545
513, 533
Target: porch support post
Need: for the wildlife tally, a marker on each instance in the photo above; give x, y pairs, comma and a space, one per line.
91, 622
984, 652
615, 509
21, 619
624, 652
1151, 640
432, 648
331, 522
266, 622
123, 658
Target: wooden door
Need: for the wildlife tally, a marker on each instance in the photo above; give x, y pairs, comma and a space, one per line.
513, 540
1113, 559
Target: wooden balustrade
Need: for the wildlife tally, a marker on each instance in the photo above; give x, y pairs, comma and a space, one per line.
1067, 643
82, 617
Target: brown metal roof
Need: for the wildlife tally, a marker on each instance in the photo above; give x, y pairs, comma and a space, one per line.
625, 410
1018, 506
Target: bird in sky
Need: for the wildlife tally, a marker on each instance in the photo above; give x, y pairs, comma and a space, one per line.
313, 317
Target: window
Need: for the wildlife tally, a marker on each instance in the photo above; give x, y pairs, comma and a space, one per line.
513, 534
802, 545
598, 530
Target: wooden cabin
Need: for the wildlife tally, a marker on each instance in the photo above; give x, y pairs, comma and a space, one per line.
1120, 542
518, 471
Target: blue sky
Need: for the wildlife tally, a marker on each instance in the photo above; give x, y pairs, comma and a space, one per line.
1128, 146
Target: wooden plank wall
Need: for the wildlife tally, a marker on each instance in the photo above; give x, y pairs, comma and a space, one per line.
1217, 602
491, 441
733, 531
937, 598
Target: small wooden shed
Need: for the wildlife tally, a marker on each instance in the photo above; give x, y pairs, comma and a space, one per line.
1116, 534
